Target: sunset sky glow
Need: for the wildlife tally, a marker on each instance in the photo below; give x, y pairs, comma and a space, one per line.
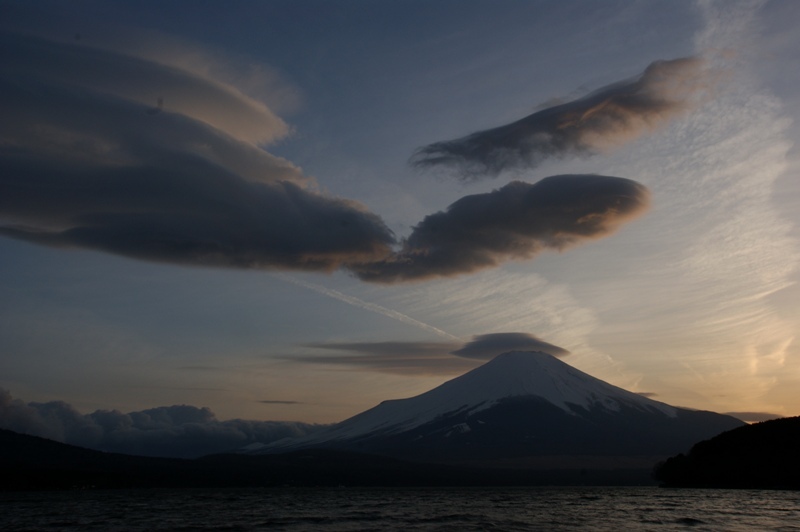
294, 210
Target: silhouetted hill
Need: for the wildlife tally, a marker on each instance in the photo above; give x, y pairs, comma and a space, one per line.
32, 463
763, 455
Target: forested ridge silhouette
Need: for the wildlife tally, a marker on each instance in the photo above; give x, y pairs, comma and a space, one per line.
762, 455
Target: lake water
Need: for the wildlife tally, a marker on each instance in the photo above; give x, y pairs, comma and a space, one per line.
458, 509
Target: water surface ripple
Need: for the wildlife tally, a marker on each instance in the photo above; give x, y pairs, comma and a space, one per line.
349, 509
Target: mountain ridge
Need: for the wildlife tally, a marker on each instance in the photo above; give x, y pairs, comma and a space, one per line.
518, 404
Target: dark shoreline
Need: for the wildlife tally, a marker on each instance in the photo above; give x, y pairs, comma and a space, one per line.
32, 463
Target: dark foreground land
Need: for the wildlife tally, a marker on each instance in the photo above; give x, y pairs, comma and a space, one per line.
31, 463
764, 455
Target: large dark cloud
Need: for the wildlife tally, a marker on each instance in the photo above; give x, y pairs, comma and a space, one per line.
514, 222
87, 161
488, 346
187, 212
605, 118
83, 163
178, 431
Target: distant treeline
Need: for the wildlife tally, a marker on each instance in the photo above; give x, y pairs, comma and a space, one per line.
763, 455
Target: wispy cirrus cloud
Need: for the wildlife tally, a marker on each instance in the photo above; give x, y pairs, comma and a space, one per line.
365, 305
606, 118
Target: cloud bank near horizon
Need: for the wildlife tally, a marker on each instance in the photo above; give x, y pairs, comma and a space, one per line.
753, 417
179, 431
126, 155
396, 358
427, 358
605, 118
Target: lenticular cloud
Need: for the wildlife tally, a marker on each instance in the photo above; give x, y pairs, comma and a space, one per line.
105, 150
514, 222
122, 154
488, 346
608, 117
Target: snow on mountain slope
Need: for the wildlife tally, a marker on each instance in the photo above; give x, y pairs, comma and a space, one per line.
513, 374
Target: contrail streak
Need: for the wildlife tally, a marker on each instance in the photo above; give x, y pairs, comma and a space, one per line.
360, 303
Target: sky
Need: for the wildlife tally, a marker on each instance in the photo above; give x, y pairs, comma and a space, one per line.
290, 211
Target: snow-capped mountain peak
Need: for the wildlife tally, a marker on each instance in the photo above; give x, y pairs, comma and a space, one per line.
519, 373
510, 375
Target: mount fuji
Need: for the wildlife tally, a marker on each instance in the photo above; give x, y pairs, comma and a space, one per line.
520, 408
